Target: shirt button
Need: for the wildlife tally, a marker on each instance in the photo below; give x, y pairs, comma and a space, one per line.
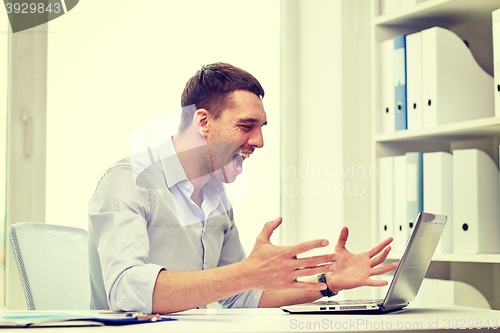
188, 186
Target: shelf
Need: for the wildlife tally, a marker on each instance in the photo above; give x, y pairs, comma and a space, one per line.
472, 129
454, 257
440, 11
471, 21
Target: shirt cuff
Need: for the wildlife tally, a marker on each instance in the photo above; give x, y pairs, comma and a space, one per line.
246, 299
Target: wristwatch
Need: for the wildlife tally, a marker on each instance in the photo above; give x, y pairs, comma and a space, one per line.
327, 292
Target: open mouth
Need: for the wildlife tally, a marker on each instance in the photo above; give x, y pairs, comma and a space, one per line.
238, 160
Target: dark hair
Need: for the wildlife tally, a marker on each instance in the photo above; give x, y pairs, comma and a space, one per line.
211, 88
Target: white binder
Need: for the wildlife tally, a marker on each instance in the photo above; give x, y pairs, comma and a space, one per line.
496, 59
414, 187
409, 3
386, 197
438, 193
390, 6
434, 292
401, 230
414, 80
476, 210
455, 87
387, 111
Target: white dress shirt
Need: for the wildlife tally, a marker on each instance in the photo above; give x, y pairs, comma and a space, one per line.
142, 220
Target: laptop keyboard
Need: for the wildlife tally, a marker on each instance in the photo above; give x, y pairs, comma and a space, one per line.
351, 301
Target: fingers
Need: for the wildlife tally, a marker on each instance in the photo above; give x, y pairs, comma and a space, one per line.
315, 265
344, 233
379, 247
308, 285
380, 258
307, 246
376, 283
317, 260
384, 269
312, 270
269, 227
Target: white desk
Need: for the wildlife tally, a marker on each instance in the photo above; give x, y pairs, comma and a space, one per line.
433, 319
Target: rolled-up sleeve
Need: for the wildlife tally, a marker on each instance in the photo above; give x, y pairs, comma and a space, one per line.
118, 214
246, 299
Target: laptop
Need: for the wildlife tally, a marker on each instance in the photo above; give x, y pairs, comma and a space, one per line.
407, 278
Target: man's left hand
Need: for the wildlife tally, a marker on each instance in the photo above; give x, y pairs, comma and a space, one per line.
354, 270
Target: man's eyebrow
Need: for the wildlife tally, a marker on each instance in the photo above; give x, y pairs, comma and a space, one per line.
251, 120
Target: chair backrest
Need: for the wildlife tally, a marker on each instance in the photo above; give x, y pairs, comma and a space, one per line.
53, 265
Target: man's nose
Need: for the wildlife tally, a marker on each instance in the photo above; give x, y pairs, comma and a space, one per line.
257, 140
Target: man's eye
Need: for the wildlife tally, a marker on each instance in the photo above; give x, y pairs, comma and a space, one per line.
246, 127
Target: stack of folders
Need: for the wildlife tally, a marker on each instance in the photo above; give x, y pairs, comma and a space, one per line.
463, 185
394, 6
431, 78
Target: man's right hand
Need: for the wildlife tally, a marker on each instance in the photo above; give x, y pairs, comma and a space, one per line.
271, 267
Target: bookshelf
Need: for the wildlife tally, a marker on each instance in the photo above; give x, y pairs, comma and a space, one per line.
437, 12
470, 20
466, 130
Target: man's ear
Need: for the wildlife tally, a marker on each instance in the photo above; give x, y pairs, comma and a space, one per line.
200, 122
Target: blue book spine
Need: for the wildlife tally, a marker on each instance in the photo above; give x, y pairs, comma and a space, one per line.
400, 82
414, 187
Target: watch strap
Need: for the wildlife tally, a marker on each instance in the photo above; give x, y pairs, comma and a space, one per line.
327, 292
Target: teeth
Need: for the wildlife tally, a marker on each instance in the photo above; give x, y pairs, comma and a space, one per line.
245, 155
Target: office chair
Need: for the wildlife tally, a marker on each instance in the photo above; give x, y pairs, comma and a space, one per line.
53, 265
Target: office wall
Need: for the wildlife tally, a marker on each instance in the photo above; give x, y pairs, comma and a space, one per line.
114, 64
356, 122
311, 120
326, 77
326, 126
320, 124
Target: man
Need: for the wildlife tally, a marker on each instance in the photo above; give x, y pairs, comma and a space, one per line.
162, 236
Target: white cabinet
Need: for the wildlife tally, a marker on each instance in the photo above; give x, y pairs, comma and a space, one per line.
471, 21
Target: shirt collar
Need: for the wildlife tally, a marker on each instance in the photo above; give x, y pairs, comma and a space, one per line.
174, 172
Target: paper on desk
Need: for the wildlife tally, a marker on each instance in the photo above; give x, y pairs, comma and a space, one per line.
205, 317
35, 318
53, 318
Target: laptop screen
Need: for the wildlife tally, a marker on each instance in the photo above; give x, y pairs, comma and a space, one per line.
415, 260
